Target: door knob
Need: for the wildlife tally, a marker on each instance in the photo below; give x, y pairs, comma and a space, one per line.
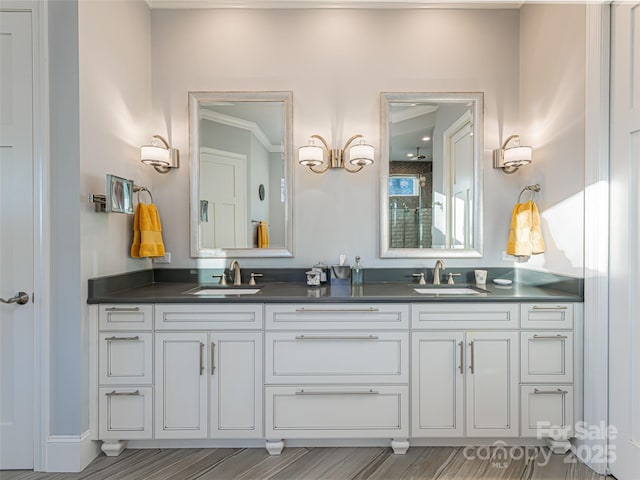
20, 298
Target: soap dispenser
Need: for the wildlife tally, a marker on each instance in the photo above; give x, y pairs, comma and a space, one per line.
357, 273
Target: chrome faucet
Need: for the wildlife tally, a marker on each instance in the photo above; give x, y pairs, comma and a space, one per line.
235, 267
436, 271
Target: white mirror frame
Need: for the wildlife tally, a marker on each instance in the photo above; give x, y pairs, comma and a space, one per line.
195, 99
386, 98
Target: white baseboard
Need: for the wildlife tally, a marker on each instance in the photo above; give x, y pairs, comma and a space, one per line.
70, 453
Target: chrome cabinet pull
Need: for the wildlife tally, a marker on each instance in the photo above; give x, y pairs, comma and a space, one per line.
122, 394
472, 362
337, 310
213, 358
201, 358
337, 337
461, 367
21, 298
123, 339
332, 392
122, 309
548, 337
550, 392
550, 307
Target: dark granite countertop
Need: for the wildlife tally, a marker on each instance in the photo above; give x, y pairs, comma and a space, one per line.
298, 292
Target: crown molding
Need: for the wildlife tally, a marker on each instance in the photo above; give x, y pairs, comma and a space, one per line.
244, 124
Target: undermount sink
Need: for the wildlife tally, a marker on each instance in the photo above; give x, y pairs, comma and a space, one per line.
448, 291
223, 291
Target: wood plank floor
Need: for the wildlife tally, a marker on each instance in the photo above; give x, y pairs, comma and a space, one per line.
442, 463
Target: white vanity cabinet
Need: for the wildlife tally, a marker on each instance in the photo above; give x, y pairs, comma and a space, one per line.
548, 339
337, 371
464, 374
124, 374
208, 371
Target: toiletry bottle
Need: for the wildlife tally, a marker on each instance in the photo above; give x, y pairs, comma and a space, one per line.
357, 273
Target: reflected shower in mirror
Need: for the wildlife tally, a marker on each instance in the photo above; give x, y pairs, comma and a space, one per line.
431, 165
240, 160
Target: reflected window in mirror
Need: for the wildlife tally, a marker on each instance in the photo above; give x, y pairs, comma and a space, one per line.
241, 173
431, 175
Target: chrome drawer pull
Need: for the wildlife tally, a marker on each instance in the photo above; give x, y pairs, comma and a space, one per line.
123, 394
213, 358
122, 309
123, 339
549, 392
337, 337
472, 363
461, 367
201, 358
346, 392
552, 307
548, 337
337, 310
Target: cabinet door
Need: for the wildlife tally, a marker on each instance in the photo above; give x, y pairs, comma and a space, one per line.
235, 368
492, 384
181, 385
546, 357
437, 381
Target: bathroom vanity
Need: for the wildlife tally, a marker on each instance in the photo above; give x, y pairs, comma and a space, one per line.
387, 364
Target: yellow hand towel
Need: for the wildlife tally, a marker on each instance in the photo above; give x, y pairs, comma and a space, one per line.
525, 235
263, 235
147, 232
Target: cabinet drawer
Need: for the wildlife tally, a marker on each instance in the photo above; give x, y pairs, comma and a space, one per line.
546, 315
344, 357
337, 412
126, 359
546, 410
125, 317
208, 317
546, 356
337, 316
126, 413
473, 316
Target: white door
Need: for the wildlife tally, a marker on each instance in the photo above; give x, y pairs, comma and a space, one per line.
181, 385
16, 242
459, 167
223, 216
492, 384
624, 266
437, 379
236, 385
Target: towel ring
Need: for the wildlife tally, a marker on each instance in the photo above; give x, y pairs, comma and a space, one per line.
529, 188
138, 189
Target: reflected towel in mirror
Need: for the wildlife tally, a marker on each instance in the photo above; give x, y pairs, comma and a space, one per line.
263, 235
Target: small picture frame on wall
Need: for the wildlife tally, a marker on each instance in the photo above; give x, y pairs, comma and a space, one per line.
119, 195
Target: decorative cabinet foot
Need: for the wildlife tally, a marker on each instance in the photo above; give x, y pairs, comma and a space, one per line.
113, 448
558, 446
274, 447
400, 447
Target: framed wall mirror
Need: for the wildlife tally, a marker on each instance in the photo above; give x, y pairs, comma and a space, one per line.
241, 174
431, 175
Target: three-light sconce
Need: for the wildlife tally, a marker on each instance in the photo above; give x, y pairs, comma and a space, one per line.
359, 155
160, 155
511, 158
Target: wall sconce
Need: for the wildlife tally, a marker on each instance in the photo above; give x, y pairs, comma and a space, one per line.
160, 155
510, 159
312, 156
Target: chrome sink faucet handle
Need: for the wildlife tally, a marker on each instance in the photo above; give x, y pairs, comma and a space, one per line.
223, 278
421, 279
235, 267
253, 278
451, 275
436, 271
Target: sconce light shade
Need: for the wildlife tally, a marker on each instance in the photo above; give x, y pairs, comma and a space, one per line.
517, 156
510, 159
161, 157
361, 155
312, 156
